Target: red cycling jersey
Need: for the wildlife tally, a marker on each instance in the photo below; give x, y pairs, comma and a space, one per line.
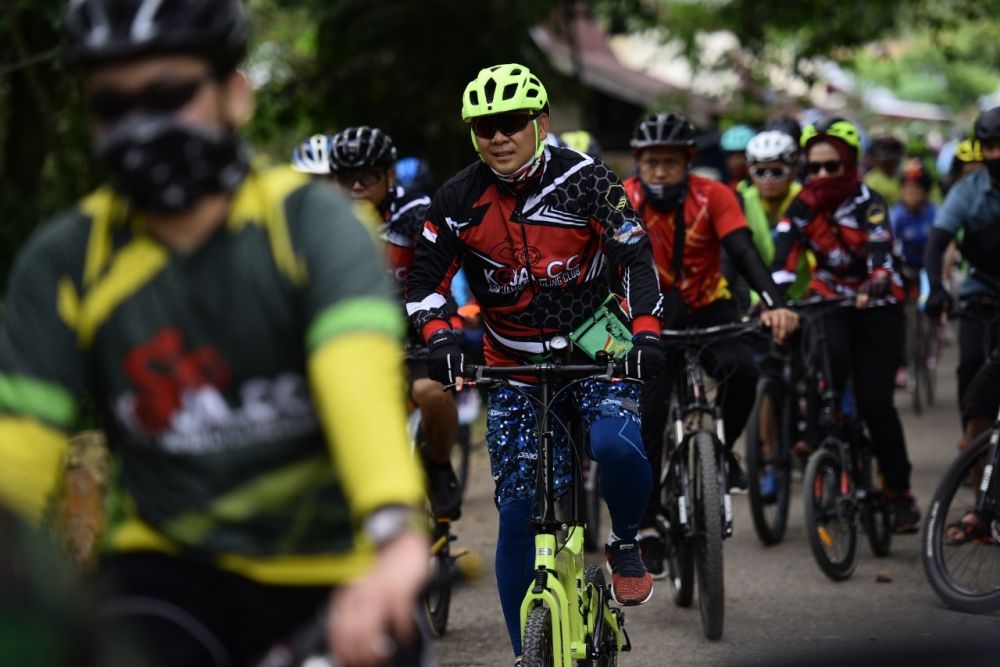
711, 212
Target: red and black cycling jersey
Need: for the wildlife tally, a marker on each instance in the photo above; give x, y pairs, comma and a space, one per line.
537, 261
851, 244
711, 212
404, 214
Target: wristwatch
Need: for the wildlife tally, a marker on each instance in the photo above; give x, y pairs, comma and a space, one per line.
387, 523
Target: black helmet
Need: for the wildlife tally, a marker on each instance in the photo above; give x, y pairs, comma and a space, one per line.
101, 31
663, 129
363, 146
988, 125
885, 148
786, 124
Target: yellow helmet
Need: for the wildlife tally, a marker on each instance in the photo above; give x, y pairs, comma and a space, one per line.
969, 150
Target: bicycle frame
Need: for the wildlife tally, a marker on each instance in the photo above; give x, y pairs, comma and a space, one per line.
578, 610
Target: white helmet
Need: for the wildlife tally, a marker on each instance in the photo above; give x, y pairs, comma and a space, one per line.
772, 146
313, 155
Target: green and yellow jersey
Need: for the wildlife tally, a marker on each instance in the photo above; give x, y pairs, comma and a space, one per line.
762, 217
243, 384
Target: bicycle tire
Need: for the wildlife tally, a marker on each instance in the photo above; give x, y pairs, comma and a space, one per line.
708, 512
876, 512
679, 551
770, 516
824, 503
936, 556
437, 599
537, 650
917, 365
593, 575
930, 363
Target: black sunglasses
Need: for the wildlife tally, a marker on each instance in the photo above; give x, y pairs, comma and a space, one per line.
770, 173
829, 166
109, 105
510, 123
366, 177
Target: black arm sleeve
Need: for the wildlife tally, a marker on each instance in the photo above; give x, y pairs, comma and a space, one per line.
937, 244
741, 250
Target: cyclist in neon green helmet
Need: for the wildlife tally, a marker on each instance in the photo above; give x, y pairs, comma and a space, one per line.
507, 98
538, 229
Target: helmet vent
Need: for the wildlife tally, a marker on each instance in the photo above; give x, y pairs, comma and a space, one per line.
490, 88
509, 91
531, 93
473, 97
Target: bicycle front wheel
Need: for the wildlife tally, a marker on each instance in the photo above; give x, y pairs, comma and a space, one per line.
768, 462
537, 649
708, 536
608, 654
964, 568
876, 512
437, 598
829, 515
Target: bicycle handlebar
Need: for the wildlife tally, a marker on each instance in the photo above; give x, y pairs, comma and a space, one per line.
612, 369
699, 335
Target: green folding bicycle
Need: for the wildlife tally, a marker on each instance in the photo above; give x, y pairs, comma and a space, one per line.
566, 616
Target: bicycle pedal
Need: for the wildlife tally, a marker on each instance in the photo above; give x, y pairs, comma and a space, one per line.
626, 641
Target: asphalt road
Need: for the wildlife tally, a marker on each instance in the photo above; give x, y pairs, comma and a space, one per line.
779, 605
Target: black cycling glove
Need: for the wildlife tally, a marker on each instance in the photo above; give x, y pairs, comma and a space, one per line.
646, 359
938, 301
444, 357
878, 285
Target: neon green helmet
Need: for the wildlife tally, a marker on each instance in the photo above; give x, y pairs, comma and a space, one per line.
842, 129
501, 88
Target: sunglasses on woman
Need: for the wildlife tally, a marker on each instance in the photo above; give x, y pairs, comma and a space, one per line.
108, 105
770, 173
829, 166
509, 123
366, 177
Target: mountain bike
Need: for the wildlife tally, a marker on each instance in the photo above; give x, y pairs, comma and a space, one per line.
697, 510
962, 559
841, 483
566, 614
778, 417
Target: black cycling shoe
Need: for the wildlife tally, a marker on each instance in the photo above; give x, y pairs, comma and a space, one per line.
905, 514
653, 554
736, 479
444, 491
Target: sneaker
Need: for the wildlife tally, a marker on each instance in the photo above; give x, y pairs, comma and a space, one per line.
630, 583
905, 514
444, 491
653, 555
518, 662
769, 486
736, 480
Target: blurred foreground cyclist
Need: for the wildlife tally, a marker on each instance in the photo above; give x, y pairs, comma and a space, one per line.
233, 325
363, 161
537, 229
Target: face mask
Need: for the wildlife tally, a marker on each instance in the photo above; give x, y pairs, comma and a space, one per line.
163, 165
665, 197
993, 167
